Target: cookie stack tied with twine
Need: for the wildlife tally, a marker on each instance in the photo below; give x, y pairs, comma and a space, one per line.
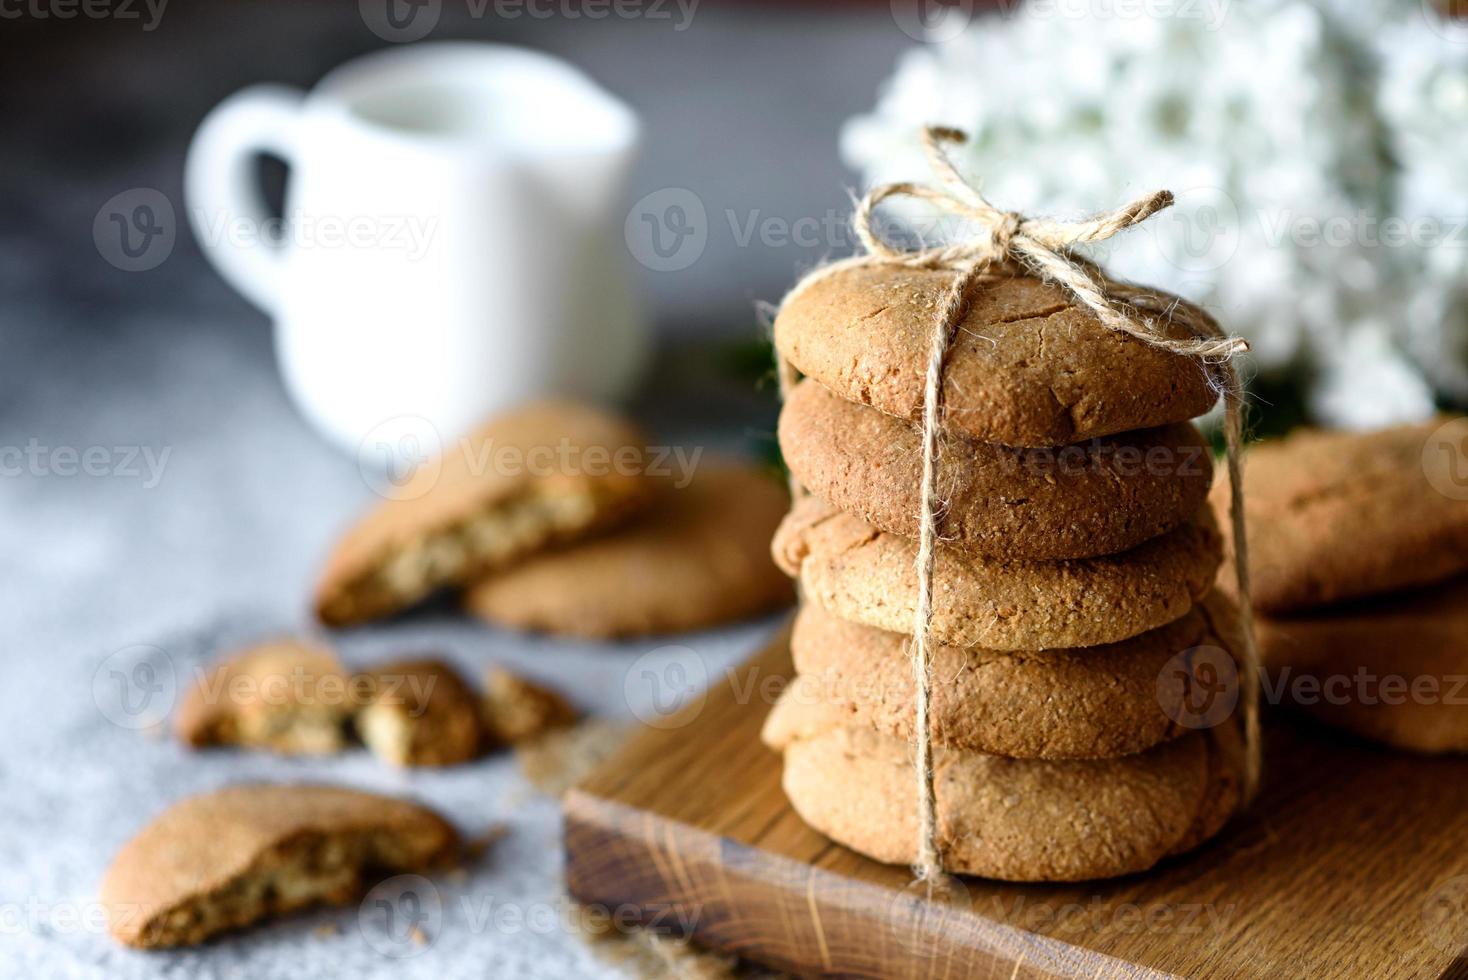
1008, 632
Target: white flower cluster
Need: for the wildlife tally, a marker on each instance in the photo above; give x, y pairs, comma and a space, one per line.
1317, 149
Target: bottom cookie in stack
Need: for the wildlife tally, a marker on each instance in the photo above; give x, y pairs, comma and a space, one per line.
1055, 765
1011, 819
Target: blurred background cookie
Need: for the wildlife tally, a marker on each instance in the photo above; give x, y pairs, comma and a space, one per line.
420, 713
698, 557
287, 696
1393, 669
1358, 543
1342, 515
517, 710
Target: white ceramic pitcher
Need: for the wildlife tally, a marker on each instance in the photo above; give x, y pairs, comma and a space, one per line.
451, 242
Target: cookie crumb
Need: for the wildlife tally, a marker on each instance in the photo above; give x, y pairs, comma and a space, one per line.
422, 714
653, 955
560, 759
285, 696
476, 847
516, 709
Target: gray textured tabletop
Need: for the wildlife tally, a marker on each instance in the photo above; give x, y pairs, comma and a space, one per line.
214, 503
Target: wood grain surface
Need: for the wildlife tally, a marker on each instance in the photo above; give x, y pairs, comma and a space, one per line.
1352, 863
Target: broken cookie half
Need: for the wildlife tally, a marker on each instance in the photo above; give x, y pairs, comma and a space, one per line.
420, 713
287, 696
517, 710
545, 474
233, 857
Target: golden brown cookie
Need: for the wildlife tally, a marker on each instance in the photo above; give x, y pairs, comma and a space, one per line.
1340, 515
1027, 367
1011, 819
1095, 498
517, 710
699, 557
235, 856
420, 713
858, 573
1087, 703
287, 696
542, 475
1392, 669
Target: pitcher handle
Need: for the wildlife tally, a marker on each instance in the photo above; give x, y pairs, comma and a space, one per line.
223, 194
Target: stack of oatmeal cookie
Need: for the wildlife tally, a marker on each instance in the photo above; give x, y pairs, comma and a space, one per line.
1072, 589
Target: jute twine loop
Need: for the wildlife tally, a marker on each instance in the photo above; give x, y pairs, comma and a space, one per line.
1012, 245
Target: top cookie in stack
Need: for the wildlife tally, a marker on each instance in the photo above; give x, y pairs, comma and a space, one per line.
1027, 366
1076, 560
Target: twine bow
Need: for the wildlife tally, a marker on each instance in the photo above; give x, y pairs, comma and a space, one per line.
1010, 245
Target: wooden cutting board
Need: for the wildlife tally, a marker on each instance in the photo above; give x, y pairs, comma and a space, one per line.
1353, 863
